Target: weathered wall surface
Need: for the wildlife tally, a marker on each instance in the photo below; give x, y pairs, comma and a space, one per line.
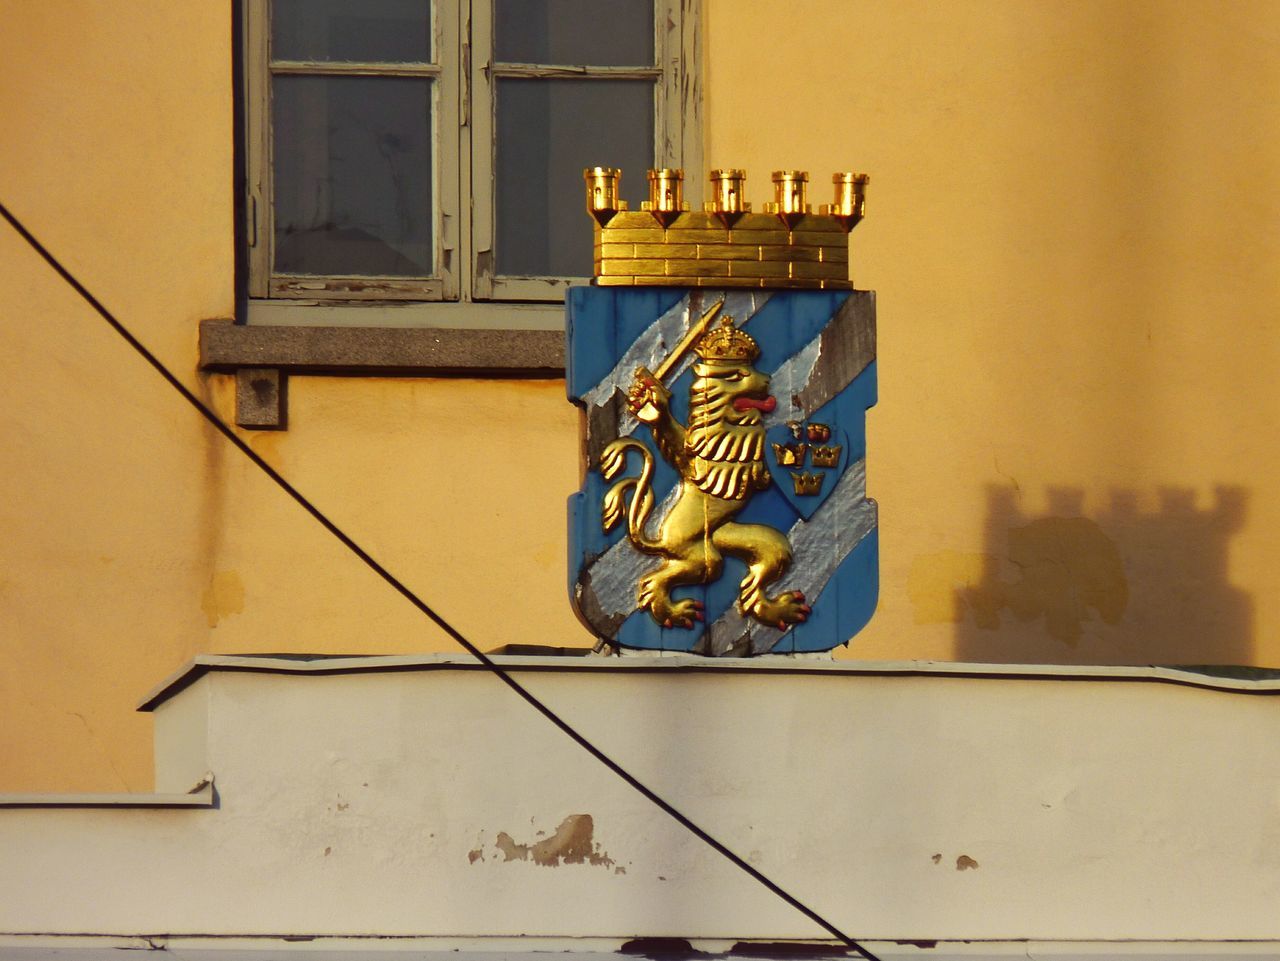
929, 808
131, 535
117, 155
1070, 233
1071, 230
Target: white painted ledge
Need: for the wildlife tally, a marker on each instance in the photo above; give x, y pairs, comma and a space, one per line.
200, 797
398, 802
201, 664
57, 948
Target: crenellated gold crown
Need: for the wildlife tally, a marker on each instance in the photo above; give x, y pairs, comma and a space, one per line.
665, 244
727, 344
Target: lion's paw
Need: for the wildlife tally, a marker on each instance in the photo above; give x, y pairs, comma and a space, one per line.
647, 399
683, 613
787, 609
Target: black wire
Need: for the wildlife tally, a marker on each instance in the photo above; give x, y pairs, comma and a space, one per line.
421, 605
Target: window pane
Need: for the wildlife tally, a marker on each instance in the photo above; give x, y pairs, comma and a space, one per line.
379, 31
352, 166
548, 131
594, 33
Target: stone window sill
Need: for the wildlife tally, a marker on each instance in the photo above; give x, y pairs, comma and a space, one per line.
262, 357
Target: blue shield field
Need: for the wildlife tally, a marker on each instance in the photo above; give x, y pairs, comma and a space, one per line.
818, 350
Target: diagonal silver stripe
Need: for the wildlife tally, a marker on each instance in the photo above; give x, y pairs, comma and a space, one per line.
790, 380
615, 574
850, 516
847, 512
652, 343
650, 349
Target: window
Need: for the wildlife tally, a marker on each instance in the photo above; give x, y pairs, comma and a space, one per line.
432, 150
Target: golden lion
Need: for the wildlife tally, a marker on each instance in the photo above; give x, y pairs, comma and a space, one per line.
720, 458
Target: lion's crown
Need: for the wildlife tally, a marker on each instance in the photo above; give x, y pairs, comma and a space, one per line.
727, 343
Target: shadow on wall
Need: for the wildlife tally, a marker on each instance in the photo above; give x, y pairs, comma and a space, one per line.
1118, 586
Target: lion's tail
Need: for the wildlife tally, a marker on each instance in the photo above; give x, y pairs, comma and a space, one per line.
639, 505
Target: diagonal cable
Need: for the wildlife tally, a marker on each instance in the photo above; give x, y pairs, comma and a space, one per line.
207, 413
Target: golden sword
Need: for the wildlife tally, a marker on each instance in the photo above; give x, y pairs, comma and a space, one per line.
649, 412
695, 331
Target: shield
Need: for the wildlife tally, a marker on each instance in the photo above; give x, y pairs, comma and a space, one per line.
806, 460
783, 554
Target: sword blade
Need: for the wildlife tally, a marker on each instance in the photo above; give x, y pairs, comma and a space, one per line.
695, 331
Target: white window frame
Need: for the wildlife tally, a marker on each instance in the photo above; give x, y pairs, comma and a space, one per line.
443, 284
465, 290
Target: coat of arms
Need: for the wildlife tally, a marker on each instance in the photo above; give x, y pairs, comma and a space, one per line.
723, 509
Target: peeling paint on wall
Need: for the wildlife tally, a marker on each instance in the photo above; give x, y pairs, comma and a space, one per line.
573, 843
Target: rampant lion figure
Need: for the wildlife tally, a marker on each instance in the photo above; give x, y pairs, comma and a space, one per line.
720, 459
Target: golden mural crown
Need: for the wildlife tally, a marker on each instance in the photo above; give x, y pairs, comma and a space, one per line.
788, 245
727, 344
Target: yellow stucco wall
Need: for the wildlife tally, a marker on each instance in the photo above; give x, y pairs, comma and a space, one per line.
1071, 230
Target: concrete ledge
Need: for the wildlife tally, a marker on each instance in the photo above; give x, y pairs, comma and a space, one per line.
201, 797
1266, 682
909, 804
408, 351
379, 948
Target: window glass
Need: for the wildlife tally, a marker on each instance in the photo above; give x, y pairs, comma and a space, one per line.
352, 175
596, 33
371, 31
547, 132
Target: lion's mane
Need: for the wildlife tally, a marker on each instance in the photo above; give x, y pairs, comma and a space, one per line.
725, 455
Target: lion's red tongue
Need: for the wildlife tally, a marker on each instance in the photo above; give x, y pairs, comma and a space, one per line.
750, 403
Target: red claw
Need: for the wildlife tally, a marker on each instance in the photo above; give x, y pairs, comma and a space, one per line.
799, 595
806, 609
667, 623
782, 625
